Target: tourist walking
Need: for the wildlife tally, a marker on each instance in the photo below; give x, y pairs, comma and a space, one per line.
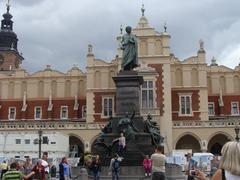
53, 171
27, 167
115, 167
45, 164
14, 174
96, 167
158, 164
147, 165
39, 170
4, 168
191, 167
64, 170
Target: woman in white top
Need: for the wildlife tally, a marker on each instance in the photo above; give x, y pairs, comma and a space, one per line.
229, 167
230, 162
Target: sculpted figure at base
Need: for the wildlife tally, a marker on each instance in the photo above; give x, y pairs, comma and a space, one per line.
151, 127
130, 50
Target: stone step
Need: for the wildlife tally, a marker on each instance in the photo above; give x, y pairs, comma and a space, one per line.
124, 177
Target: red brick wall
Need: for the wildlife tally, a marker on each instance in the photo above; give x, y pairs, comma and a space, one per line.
195, 105
226, 109
54, 114
159, 85
98, 104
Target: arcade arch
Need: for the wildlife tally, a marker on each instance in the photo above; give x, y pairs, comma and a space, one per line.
216, 142
76, 146
188, 141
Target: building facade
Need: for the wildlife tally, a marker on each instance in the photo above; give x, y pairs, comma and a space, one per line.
195, 104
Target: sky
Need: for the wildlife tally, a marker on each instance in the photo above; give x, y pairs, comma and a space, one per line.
57, 32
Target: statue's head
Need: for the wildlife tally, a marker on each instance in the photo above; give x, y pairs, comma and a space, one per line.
128, 29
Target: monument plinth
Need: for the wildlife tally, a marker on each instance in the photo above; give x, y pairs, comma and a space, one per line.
128, 91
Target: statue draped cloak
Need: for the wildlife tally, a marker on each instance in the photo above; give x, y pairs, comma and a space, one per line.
130, 52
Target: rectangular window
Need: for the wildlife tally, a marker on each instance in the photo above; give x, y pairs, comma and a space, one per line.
107, 106
18, 141
27, 141
185, 105
234, 108
12, 113
147, 94
64, 112
211, 111
38, 113
84, 112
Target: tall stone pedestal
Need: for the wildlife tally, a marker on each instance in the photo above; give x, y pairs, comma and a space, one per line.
128, 92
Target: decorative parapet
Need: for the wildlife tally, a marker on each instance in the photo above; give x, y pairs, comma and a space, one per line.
207, 124
48, 125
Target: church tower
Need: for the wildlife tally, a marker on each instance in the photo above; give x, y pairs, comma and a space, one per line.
10, 59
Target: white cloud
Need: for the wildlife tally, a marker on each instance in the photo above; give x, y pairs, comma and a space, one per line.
230, 56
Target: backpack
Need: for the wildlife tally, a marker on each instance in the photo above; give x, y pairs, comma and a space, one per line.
116, 165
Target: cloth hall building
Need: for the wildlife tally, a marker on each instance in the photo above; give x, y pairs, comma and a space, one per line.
195, 104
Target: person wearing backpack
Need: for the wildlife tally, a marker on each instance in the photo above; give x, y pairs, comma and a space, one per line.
115, 167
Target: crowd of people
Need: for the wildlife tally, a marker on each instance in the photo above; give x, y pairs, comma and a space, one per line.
154, 166
41, 170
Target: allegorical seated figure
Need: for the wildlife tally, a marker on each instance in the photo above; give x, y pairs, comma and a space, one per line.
151, 128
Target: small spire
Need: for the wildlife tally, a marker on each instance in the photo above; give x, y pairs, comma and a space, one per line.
201, 44
90, 49
8, 5
142, 9
165, 26
121, 29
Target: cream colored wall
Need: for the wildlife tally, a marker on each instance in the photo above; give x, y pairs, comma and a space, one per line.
32, 84
229, 82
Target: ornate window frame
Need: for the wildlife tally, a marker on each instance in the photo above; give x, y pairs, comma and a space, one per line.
237, 108
107, 98
14, 113
213, 108
35, 113
61, 112
185, 96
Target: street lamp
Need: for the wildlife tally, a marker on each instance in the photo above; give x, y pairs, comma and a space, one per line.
39, 143
237, 129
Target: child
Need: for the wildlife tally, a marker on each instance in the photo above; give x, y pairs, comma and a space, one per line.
147, 165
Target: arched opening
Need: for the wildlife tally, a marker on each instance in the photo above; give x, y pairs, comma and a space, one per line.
222, 81
178, 77
216, 143
76, 147
67, 88
236, 84
110, 81
188, 142
209, 85
194, 76
97, 82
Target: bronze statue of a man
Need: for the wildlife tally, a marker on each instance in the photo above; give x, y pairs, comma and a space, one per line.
130, 50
